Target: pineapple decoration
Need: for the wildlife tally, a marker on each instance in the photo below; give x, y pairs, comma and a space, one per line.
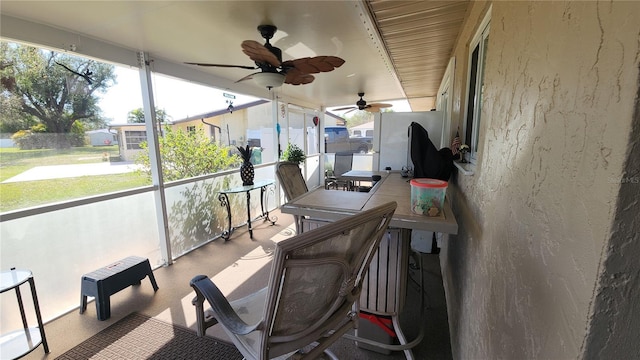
246, 169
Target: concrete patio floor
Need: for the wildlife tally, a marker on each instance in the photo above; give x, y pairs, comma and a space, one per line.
239, 267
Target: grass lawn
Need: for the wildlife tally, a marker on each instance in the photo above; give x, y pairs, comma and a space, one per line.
25, 194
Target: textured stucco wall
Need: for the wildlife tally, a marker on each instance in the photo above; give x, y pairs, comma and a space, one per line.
614, 328
523, 276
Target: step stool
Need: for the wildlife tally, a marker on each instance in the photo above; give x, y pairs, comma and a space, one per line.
106, 281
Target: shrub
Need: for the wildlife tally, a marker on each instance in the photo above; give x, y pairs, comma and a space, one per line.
37, 137
184, 155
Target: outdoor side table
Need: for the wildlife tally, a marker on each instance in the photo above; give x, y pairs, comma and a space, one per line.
21, 342
224, 201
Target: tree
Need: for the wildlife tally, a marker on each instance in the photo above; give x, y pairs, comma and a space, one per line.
11, 117
359, 118
136, 116
54, 89
184, 155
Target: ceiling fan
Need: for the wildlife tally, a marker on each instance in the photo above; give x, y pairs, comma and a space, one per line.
362, 105
273, 71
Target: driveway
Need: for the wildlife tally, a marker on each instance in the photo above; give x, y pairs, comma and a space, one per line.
71, 171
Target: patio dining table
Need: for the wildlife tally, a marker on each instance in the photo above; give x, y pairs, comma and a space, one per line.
363, 175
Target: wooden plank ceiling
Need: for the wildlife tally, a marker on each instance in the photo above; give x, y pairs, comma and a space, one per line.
419, 37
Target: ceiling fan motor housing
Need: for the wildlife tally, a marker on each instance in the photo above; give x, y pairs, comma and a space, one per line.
267, 31
275, 51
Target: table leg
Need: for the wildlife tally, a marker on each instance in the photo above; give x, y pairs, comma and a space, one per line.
21, 306
249, 214
384, 289
262, 190
224, 201
265, 210
36, 305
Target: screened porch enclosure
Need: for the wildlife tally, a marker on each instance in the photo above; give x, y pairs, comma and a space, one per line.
60, 241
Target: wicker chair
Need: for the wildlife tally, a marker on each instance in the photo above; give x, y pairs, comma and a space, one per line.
312, 296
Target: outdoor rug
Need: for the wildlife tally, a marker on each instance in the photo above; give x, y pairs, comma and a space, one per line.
140, 337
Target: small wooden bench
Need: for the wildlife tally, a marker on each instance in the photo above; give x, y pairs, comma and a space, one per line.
106, 281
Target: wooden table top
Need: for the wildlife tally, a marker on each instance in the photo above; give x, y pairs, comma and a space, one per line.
362, 175
332, 205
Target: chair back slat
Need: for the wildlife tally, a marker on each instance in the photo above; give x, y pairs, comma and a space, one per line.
342, 164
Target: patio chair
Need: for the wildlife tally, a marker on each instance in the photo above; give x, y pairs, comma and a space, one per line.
313, 291
341, 164
292, 182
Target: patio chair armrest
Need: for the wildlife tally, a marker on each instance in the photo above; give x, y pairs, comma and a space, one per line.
224, 313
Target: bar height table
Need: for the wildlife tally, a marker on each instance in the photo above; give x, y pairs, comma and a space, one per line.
21, 342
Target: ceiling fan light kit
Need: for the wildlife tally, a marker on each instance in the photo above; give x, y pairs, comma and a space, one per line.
269, 80
273, 71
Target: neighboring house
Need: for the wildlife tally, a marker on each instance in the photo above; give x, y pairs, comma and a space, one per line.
102, 137
221, 126
331, 119
224, 127
129, 137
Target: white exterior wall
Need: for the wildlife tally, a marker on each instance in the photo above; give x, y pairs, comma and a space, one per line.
537, 270
102, 138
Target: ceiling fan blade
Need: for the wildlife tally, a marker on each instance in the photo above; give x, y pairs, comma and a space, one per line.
258, 53
345, 108
248, 77
380, 105
295, 77
223, 65
314, 65
375, 107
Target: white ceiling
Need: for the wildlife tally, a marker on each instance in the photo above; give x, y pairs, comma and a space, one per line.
174, 32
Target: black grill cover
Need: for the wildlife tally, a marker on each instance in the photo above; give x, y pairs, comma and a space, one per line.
428, 162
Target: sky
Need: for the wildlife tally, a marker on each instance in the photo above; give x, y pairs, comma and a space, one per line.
180, 99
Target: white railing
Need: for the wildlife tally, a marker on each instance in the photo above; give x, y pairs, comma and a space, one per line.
61, 242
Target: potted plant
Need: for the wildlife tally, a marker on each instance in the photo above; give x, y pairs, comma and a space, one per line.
294, 154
